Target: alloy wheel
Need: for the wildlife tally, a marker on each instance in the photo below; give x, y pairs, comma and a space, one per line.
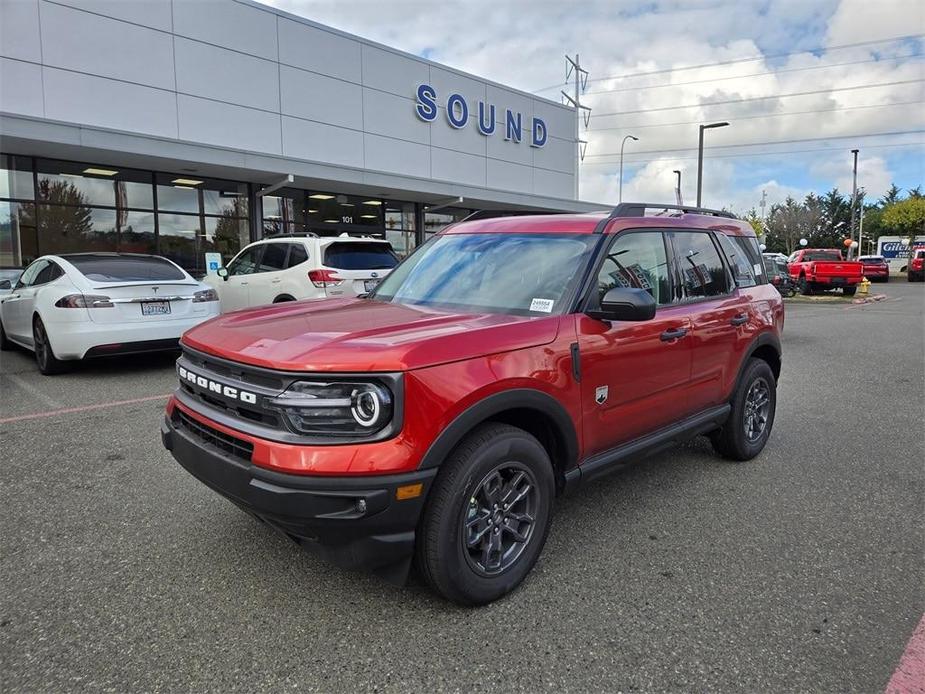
498, 521
757, 409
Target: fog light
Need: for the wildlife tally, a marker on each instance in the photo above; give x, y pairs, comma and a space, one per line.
361, 505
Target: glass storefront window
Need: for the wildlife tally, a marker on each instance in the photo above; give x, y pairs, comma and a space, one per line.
17, 234
177, 197
435, 221
224, 198
65, 183
136, 232
76, 229
179, 239
135, 189
399, 227
225, 235
16, 178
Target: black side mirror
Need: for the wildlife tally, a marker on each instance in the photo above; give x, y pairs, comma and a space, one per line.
6, 284
223, 273
622, 303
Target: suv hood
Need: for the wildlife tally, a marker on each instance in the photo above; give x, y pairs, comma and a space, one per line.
362, 335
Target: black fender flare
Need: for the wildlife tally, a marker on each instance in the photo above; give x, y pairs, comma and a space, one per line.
765, 339
517, 398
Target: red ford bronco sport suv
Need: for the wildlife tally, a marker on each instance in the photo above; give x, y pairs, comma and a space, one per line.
435, 421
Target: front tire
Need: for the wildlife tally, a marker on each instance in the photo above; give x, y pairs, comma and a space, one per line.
487, 516
45, 357
754, 404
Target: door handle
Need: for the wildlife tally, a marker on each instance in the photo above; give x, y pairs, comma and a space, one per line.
673, 334
739, 319
276, 281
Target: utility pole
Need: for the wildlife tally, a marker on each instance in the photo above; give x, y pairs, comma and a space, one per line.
854, 198
700, 156
677, 191
573, 69
622, 145
764, 219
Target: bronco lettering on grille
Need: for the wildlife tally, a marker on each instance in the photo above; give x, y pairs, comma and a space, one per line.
216, 387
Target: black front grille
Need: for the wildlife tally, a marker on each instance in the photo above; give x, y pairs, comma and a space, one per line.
213, 437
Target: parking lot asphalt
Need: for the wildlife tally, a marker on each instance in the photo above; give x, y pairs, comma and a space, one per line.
799, 571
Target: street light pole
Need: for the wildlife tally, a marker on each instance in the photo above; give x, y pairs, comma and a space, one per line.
700, 157
622, 145
678, 189
854, 197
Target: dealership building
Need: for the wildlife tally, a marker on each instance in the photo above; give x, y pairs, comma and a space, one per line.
191, 126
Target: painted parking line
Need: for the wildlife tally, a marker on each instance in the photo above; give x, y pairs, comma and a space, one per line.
83, 408
27, 387
909, 677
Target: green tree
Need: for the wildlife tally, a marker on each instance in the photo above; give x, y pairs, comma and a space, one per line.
906, 217
891, 196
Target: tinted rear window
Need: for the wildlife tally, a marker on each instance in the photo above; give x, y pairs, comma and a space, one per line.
871, 261
821, 255
360, 256
98, 268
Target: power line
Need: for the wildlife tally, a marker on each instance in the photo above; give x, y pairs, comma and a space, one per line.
757, 154
640, 126
754, 74
744, 60
758, 98
768, 142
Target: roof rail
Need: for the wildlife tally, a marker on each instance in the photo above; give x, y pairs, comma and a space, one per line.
638, 209
494, 214
290, 234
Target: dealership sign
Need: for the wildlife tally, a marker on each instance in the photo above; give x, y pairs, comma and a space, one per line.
457, 115
896, 247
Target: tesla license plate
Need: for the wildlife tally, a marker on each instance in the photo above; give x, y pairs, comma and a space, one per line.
369, 285
155, 308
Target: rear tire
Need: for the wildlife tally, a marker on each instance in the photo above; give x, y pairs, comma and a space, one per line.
487, 516
850, 291
45, 357
282, 299
754, 404
806, 288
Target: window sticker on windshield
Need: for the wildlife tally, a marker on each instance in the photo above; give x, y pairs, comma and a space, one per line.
544, 305
757, 268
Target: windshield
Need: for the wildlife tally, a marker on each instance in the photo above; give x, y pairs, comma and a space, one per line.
821, 255
522, 274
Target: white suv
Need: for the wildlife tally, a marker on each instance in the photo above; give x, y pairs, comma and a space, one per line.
287, 268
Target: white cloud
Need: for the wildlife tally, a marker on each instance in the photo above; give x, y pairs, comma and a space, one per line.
522, 44
873, 175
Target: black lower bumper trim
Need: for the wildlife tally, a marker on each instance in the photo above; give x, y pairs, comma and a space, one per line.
355, 522
133, 348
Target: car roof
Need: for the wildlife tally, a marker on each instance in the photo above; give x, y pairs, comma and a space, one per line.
588, 224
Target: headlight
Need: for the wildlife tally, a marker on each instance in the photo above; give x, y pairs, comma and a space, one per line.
335, 409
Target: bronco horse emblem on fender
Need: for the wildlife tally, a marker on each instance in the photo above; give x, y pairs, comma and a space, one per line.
600, 395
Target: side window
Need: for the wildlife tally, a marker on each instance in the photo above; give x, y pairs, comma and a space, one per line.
742, 270
636, 259
793, 257
749, 246
27, 279
297, 255
246, 262
274, 257
699, 264
47, 274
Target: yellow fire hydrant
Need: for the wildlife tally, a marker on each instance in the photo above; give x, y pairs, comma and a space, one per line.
864, 287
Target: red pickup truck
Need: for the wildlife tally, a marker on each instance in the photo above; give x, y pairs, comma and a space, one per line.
818, 269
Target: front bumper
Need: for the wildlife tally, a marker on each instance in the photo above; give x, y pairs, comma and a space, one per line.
355, 522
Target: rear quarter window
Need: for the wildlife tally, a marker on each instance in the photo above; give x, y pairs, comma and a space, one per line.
125, 269
359, 256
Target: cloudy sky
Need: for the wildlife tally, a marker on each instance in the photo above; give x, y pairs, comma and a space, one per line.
861, 59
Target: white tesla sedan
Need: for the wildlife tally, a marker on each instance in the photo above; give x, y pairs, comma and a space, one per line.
75, 306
